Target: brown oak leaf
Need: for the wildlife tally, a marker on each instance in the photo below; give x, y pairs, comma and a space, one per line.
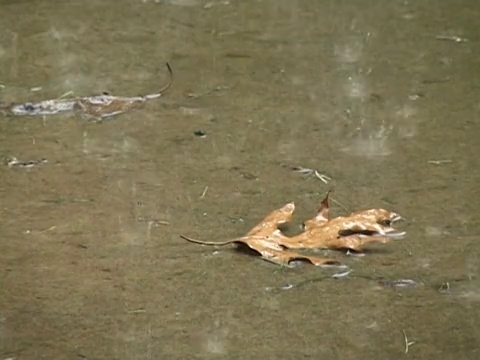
350, 232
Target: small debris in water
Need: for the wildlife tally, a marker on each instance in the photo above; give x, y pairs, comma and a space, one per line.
400, 283
439, 162
453, 38
341, 275
137, 311
200, 133
204, 192
36, 89
436, 81
407, 343
65, 95
415, 96
354, 253
152, 221
14, 162
444, 287
309, 172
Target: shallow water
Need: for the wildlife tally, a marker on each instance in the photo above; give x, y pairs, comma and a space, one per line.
383, 98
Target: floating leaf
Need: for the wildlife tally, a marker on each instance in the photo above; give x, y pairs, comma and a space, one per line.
351, 232
94, 107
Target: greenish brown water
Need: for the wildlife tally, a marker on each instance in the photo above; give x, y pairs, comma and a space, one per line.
91, 263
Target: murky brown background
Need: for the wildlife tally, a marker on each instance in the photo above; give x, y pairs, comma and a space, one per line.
367, 92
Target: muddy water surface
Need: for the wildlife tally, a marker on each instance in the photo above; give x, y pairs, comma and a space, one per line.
383, 98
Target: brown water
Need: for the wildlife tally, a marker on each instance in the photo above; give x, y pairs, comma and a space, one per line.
91, 263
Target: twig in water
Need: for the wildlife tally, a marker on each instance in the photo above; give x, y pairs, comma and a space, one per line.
399, 283
436, 81
407, 343
340, 204
439, 162
152, 221
14, 162
287, 286
324, 178
204, 192
137, 311
302, 170
341, 275
64, 95
307, 171
453, 38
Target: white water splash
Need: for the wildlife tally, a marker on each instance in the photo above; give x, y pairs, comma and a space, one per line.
350, 51
216, 339
370, 142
